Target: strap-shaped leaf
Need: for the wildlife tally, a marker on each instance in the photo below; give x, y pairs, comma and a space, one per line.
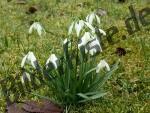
95, 95
83, 96
91, 70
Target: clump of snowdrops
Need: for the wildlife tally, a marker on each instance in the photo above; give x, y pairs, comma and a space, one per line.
74, 77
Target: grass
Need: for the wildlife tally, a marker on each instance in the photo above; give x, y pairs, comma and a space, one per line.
129, 90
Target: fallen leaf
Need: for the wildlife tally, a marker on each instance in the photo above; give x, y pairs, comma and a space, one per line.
43, 106
15, 108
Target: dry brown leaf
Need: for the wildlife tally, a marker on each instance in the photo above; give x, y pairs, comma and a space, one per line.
15, 108
43, 106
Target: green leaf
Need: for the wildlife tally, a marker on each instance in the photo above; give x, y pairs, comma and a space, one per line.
91, 70
96, 96
83, 96
91, 93
89, 98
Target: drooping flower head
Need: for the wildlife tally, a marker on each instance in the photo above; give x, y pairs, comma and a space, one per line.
52, 62
102, 64
30, 59
78, 26
37, 26
91, 17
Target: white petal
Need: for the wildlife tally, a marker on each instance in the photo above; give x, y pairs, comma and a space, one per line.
32, 59
47, 62
71, 28
86, 51
39, 30
91, 18
81, 22
92, 51
22, 80
25, 76
87, 18
31, 56
102, 32
65, 41
31, 29
98, 19
107, 66
23, 61
78, 27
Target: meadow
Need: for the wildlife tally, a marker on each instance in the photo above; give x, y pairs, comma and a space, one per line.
128, 89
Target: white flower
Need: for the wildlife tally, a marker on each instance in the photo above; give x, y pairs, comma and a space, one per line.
29, 58
93, 47
85, 39
90, 18
37, 26
78, 26
52, 59
102, 64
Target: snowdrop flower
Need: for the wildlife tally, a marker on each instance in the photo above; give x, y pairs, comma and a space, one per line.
30, 58
85, 39
37, 26
25, 77
52, 60
90, 18
102, 64
93, 47
78, 26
